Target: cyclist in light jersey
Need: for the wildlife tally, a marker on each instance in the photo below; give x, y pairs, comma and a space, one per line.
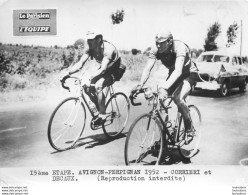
175, 55
110, 70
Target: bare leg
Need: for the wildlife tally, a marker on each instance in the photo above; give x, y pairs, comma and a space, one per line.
100, 86
179, 97
101, 102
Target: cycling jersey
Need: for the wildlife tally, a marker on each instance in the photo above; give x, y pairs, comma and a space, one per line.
109, 51
169, 59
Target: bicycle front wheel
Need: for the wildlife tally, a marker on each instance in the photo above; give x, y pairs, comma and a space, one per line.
144, 142
66, 124
189, 141
118, 108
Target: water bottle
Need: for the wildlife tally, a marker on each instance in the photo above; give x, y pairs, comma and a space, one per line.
93, 108
149, 94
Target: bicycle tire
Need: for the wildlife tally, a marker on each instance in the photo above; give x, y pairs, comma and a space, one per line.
189, 141
62, 111
117, 106
154, 152
224, 90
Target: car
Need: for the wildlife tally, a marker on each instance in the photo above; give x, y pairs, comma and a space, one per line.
221, 71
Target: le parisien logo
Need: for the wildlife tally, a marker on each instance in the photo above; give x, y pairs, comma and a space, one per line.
34, 22
29, 16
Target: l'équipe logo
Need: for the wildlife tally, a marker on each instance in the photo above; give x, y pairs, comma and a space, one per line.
34, 29
34, 22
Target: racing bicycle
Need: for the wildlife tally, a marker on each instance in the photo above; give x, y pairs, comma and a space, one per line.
68, 119
153, 135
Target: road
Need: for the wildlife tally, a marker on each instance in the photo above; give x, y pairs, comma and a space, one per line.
23, 135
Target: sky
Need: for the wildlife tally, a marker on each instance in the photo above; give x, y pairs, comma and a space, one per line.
187, 20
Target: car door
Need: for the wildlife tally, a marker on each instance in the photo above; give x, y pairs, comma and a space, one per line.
241, 78
235, 74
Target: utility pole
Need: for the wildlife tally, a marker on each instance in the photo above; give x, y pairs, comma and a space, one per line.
241, 39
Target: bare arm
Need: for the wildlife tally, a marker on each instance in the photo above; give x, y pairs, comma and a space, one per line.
79, 65
103, 68
147, 71
176, 73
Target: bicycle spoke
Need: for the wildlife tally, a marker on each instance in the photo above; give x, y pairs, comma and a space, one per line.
140, 132
66, 123
141, 157
59, 131
140, 144
55, 140
190, 140
76, 114
115, 124
68, 119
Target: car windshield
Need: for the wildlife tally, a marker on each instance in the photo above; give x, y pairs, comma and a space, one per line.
212, 58
219, 58
205, 58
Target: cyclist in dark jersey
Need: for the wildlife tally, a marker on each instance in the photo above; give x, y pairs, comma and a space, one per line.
110, 70
175, 55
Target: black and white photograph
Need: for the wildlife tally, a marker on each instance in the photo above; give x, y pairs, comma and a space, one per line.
150, 95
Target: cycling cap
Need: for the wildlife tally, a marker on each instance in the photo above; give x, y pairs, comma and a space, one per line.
163, 36
91, 34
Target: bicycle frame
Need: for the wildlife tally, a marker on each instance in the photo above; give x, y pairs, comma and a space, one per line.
172, 134
173, 139
83, 96
163, 122
76, 108
157, 106
109, 92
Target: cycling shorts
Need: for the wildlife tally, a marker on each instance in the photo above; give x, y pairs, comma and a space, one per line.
189, 77
114, 73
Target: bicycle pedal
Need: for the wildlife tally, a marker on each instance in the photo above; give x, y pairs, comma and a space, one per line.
94, 126
191, 134
180, 143
189, 139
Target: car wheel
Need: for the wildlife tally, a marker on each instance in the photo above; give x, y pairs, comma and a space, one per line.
242, 87
224, 89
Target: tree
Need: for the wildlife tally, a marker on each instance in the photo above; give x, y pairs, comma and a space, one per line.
118, 16
135, 51
79, 42
232, 34
146, 52
213, 33
5, 62
196, 52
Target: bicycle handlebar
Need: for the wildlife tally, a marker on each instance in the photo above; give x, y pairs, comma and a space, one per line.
67, 77
63, 82
132, 98
132, 101
134, 94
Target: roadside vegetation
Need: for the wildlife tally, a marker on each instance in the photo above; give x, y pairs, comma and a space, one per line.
28, 72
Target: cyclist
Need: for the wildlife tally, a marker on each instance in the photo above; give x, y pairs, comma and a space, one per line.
175, 55
110, 70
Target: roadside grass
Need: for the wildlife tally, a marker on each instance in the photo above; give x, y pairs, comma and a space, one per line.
30, 88
33, 72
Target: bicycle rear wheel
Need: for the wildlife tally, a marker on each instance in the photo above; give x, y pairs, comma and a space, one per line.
189, 141
118, 108
144, 142
66, 124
